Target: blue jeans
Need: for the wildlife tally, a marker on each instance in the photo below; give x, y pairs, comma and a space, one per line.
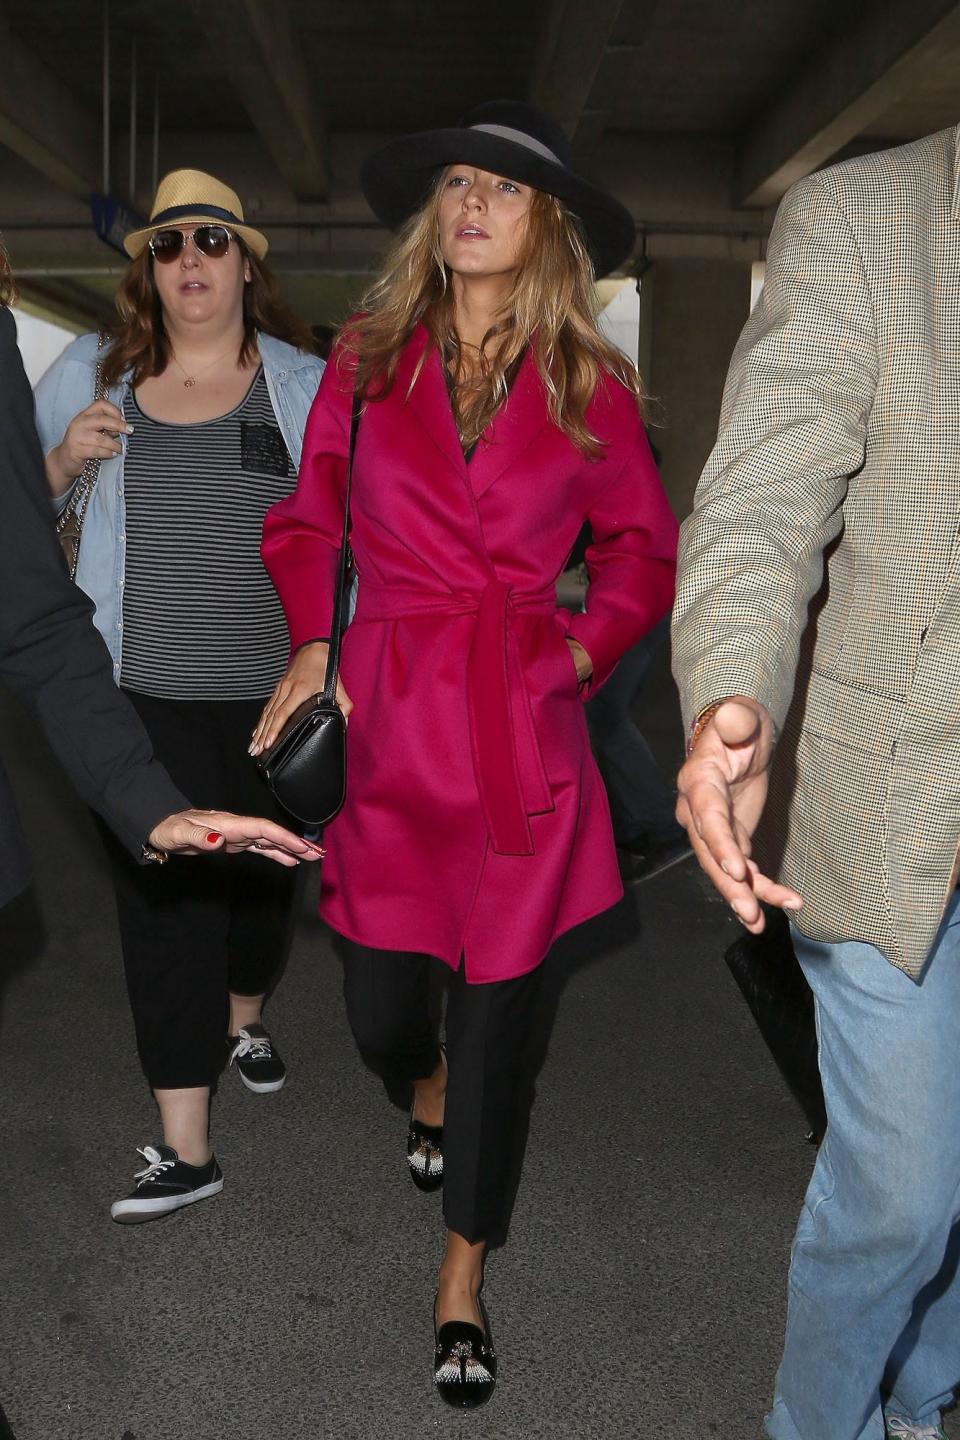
641, 802
873, 1323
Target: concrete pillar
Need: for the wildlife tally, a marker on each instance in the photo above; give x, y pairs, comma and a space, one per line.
698, 308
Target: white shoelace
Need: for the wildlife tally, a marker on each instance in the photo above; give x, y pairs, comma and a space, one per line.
256, 1046
156, 1167
896, 1426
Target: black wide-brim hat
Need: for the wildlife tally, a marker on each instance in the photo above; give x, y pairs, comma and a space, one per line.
510, 139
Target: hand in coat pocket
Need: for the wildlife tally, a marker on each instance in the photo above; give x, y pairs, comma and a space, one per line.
305, 676
581, 660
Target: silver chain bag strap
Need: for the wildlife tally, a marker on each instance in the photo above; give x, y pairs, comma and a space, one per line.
69, 524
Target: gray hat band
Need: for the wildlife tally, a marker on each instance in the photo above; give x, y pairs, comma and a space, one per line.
506, 132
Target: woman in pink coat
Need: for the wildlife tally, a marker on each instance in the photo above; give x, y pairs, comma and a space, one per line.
495, 420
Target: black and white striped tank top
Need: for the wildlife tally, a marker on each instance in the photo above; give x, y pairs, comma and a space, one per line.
201, 619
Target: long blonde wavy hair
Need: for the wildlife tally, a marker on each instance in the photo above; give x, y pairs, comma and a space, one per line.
551, 308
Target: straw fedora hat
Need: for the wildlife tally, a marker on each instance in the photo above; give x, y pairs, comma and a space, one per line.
189, 197
511, 139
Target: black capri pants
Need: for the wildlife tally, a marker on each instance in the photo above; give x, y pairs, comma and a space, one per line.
193, 931
387, 995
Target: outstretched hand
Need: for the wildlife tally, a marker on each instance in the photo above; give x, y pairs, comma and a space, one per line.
204, 832
722, 790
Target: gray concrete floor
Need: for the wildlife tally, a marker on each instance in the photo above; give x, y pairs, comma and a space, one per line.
641, 1292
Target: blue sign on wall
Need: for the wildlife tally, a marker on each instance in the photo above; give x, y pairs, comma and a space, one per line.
113, 220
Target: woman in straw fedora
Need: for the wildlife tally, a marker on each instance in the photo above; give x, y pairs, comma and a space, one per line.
495, 421
50, 655
209, 380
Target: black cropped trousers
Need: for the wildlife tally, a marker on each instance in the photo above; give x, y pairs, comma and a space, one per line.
193, 930
387, 996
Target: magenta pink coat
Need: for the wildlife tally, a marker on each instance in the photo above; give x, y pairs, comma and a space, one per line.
476, 822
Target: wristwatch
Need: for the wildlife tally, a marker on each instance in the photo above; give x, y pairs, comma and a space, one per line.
153, 856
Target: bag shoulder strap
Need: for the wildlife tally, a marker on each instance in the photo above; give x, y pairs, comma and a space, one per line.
69, 523
91, 470
99, 383
343, 565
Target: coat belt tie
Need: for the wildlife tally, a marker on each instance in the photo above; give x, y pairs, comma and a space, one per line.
511, 780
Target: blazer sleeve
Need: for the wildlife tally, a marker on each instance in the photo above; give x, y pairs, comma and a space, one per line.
631, 559
302, 534
50, 651
793, 428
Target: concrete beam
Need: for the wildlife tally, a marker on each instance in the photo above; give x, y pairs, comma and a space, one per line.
42, 123
844, 89
676, 183
570, 51
674, 179
257, 45
69, 301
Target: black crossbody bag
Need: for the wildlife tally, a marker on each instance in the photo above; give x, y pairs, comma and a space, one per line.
306, 767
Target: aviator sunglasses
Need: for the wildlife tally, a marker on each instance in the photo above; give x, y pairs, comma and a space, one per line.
212, 242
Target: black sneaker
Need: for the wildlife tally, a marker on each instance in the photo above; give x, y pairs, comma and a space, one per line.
168, 1183
258, 1064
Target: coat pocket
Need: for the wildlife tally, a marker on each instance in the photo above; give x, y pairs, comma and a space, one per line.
851, 715
563, 665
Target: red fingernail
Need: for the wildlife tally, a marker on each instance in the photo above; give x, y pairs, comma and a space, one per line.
213, 837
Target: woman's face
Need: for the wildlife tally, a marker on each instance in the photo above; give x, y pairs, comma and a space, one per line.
482, 221
195, 288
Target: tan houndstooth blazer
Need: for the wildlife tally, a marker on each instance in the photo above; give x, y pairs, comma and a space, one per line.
820, 570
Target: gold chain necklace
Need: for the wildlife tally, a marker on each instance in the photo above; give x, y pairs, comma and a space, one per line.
190, 380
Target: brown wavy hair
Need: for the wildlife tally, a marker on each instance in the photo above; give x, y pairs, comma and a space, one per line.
8, 288
139, 339
551, 308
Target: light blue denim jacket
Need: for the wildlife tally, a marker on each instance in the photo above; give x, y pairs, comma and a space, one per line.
67, 388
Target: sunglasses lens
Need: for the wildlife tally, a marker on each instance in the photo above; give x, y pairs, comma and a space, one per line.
212, 241
166, 245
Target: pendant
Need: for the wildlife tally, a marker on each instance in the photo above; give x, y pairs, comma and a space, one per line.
189, 382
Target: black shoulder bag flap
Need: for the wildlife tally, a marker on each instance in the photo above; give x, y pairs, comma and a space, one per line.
306, 767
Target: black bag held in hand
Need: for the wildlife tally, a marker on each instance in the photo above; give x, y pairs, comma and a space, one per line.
776, 990
306, 767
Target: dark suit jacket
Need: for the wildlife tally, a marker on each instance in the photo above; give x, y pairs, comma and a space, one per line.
51, 654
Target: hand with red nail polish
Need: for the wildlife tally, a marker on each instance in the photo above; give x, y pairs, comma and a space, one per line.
204, 832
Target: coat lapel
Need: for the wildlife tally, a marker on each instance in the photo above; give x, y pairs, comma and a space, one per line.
511, 430
428, 402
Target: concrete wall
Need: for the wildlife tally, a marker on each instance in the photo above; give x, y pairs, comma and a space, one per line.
698, 308
39, 342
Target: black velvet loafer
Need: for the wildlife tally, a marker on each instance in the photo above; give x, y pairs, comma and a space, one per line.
424, 1152
425, 1147
464, 1362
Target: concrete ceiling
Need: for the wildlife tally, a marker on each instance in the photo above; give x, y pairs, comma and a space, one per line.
698, 113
